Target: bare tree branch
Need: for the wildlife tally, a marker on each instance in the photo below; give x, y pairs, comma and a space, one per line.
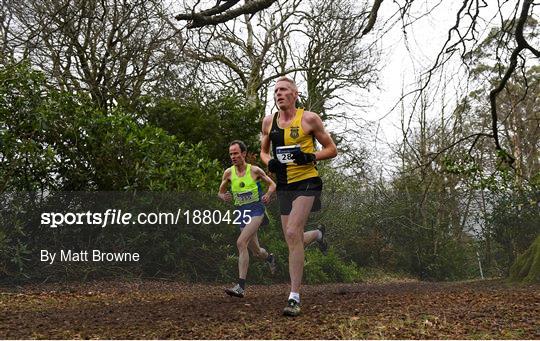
247, 47
372, 17
521, 45
220, 14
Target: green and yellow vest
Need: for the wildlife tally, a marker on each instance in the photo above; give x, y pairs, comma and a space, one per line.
245, 189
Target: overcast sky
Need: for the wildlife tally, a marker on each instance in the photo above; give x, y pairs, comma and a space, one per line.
404, 59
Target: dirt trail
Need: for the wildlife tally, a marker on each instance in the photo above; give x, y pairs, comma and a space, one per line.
154, 309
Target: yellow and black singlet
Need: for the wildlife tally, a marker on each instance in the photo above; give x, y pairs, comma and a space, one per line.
285, 141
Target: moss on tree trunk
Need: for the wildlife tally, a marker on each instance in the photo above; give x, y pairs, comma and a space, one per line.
526, 268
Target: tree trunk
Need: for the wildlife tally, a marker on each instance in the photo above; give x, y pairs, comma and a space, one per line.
526, 268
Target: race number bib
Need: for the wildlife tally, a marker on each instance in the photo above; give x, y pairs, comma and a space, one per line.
285, 153
244, 198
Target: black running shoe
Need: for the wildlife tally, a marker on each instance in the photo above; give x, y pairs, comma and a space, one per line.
292, 308
235, 291
271, 261
323, 244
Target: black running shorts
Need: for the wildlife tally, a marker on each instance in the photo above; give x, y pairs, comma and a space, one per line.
287, 193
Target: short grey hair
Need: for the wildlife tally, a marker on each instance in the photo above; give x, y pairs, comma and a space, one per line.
289, 80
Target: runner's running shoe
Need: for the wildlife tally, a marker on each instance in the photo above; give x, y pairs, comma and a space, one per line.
323, 244
235, 291
271, 261
292, 308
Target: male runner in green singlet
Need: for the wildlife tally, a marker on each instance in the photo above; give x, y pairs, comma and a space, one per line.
291, 134
249, 200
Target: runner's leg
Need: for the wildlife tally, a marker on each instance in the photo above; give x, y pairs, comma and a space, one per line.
294, 235
255, 248
310, 236
242, 244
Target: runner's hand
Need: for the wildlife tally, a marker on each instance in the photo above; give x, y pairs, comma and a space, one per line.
274, 165
301, 158
267, 198
225, 196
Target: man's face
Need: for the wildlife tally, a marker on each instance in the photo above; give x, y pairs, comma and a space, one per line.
237, 156
285, 95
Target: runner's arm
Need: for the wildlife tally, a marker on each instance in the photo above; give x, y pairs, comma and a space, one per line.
329, 149
265, 139
260, 174
223, 194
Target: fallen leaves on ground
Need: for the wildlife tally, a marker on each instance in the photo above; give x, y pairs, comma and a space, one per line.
165, 310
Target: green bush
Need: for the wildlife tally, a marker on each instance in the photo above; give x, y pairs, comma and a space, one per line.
319, 269
60, 141
203, 116
54, 141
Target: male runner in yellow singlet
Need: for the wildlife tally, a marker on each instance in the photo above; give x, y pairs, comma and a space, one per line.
249, 200
291, 134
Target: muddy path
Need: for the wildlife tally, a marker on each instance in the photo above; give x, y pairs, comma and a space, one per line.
164, 310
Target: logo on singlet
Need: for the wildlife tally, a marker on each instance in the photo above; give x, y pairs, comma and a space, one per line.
294, 132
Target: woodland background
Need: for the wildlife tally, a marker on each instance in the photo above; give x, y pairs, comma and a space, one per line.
119, 97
